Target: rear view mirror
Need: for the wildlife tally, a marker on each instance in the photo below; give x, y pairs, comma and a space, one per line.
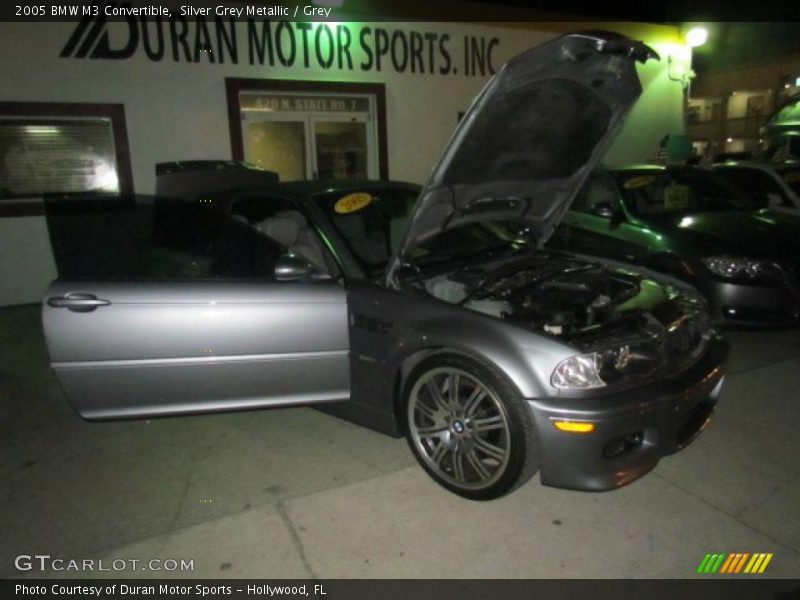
296, 268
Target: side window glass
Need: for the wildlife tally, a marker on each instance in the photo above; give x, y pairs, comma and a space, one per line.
141, 238
129, 237
177, 239
240, 252
760, 186
279, 223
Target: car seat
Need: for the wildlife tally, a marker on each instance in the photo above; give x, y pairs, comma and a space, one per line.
291, 230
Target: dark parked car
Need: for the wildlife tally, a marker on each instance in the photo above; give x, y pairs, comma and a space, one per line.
412, 313
692, 224
771, 185
780, 131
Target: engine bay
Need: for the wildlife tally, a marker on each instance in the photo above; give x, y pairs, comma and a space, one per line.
551, 293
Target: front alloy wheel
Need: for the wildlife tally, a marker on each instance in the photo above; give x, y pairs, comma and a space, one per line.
468, 428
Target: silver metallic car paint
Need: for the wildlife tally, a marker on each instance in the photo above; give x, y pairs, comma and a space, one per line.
390, 327
396, 329
657, 410
162, 347
205, 385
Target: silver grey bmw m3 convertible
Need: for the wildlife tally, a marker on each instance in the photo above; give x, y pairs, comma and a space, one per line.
434, 314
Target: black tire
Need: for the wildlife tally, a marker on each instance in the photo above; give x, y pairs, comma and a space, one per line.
479, 445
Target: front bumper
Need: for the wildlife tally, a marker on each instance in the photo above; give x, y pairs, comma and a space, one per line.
633, 428
755, 305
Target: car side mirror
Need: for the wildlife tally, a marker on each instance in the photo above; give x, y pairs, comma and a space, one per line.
603, 210
296, 268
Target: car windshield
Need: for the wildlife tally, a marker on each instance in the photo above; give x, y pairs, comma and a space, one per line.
372, 222
759, 185
676, 192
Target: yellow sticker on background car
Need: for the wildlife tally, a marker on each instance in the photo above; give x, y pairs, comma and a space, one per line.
676, 197
352, 202
640, 181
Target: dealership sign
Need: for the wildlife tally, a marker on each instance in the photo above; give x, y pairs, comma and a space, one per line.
308, 45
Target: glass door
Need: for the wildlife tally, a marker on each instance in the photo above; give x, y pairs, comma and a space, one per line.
341, 148
277, 143
310, 136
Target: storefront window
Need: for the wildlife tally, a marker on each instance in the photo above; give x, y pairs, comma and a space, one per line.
52, 156
62, 148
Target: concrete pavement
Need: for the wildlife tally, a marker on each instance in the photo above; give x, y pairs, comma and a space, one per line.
295, 493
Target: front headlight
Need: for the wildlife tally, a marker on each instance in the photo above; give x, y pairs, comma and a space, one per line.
602, 367
581, 372
729, 267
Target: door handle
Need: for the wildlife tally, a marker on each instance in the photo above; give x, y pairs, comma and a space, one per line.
77, 302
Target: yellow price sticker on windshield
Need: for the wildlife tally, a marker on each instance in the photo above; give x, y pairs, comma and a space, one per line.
352, 203
676, 197
640, 181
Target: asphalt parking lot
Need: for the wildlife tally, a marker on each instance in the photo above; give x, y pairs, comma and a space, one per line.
296, 493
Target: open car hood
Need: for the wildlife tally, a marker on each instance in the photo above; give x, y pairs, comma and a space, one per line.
530, 137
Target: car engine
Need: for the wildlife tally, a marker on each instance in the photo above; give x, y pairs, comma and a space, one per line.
547, 292
628, 323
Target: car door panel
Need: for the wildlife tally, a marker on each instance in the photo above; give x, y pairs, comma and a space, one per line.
596, 236
161, 348
167, 305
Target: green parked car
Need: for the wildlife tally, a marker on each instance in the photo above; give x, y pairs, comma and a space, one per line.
690, 223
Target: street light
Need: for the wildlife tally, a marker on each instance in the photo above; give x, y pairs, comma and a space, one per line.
696, 36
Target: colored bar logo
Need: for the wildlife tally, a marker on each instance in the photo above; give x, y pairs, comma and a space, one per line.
734, 563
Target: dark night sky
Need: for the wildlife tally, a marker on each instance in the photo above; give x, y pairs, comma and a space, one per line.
739, 42
667, 11
741, 37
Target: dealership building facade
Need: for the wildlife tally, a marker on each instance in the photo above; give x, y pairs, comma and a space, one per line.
96, 104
